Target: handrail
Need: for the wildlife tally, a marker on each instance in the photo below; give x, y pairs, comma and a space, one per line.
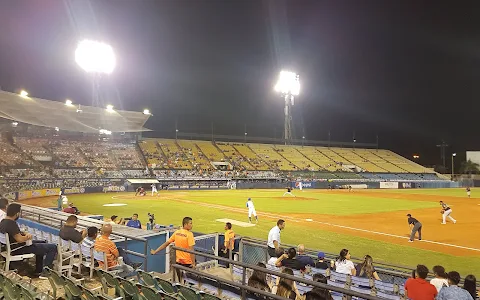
265, 270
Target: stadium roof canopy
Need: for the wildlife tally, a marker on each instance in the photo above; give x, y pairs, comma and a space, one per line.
47, 113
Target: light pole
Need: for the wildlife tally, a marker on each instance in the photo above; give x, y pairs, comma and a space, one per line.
97, 58
453, 155
288, 85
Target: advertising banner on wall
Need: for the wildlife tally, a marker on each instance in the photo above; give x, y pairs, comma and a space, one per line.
389, 185
407, 185
24, 195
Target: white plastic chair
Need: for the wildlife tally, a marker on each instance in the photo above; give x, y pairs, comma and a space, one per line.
64, 257
9, 257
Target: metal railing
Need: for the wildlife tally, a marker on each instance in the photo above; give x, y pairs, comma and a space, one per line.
56, 220
243, 286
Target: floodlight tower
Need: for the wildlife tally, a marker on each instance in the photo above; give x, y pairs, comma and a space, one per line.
288, 85
96, 58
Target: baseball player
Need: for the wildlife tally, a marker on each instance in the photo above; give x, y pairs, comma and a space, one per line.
415, 226
154, 189
288, 192
300, 185
446, 211
251, 211
468, 191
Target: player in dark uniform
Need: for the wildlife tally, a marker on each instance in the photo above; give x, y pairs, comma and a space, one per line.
140, 191
468, 191
289, 192
415, 226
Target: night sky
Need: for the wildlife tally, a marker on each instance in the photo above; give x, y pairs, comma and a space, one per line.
408, 71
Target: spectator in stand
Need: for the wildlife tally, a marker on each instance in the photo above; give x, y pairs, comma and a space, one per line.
3, 208
343, 264
44, 252
417, 288
321, 264
286, 287
289, 260
278, 253
316, 292
453, 291
89, 240
134, 222
71, 209
470, 285
69, 233
104, 244
440, 279
366, 269
115, 220
304, 259
258, 279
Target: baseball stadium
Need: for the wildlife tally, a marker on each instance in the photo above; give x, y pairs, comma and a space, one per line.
331, 196
102, 198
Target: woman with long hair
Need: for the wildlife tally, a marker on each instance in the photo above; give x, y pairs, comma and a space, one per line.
440, 279
366, 269
286, 287
470, 285
343, 264
258, 279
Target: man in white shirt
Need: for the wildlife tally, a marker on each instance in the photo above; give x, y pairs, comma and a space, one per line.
251, 211
3, 208
273, 242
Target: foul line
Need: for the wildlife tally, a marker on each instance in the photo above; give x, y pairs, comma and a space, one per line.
276, 216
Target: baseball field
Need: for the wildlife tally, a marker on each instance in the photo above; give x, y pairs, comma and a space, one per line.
364, 221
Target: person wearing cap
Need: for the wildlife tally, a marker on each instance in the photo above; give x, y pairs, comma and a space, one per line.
251, 211
321, 264
415, 226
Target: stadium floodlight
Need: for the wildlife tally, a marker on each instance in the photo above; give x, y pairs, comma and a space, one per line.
57, 129
14, 124
104, 131
415, 156
68, 102
95, 57
288, 83
146, 112
23, 94
110, 108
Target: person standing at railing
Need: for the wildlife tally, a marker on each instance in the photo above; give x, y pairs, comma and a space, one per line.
183, 238
273, 241
229, 242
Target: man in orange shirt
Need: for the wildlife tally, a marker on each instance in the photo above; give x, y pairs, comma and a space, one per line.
104, 244
183, 238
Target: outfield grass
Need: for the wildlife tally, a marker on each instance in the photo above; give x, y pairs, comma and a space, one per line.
171, 211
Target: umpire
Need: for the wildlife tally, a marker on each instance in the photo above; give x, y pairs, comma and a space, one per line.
415, 225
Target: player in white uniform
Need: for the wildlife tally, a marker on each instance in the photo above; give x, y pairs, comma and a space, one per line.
64, 201
251, 211
446, 213
154, 189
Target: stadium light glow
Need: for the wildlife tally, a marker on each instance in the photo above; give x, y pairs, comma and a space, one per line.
146, 112
110, 108
104, 131
14, 124
454, 154
23, 94
95, 57
288, 83
415, 156
57, 129
68, 102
